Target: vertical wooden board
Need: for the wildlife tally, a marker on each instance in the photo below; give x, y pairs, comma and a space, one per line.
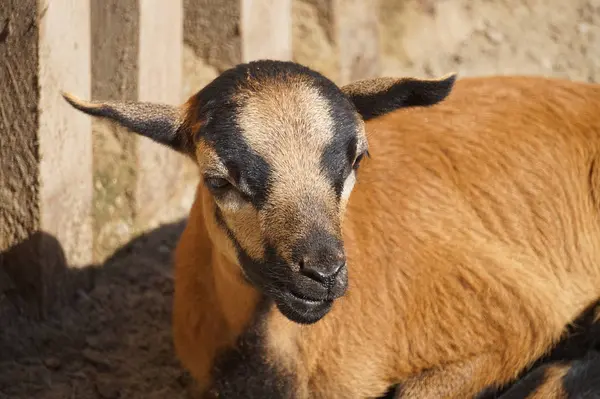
115, 52
211, 30
19, 96
313, 36
45, 152
266, 29
20, 262
161, 171
357, 38
65, 145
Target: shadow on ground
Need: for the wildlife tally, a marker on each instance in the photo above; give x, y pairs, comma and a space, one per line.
112, 341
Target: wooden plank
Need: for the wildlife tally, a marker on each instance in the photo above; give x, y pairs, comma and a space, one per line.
137, 55
356, 27
115, 56
162, 173
266, 29
46, 150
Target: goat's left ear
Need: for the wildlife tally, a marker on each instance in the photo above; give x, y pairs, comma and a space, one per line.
379, 96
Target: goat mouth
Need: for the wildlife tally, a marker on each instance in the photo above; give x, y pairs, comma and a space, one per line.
302, 309
306, 299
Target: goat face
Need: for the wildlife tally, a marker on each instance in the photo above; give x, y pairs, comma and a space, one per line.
278, 146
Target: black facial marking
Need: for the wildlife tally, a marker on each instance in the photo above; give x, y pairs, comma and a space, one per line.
337, 158
245, 372
581, 337
351, 149
221, 130
231, 147
263, 274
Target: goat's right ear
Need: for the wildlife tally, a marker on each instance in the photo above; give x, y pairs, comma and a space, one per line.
379, 96
160, 122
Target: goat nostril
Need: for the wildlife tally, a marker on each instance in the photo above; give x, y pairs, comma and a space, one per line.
315, 274
319, 273
341, 262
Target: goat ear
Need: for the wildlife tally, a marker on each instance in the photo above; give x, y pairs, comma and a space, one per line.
159, 122
379, 96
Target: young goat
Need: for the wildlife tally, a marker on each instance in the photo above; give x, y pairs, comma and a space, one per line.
471, 239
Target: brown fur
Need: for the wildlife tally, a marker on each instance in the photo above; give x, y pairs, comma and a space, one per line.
470, 219
213, 303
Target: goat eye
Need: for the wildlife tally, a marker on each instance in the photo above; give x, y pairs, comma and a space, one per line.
216, 183
356, 163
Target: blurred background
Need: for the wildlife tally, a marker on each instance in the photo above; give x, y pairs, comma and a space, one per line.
89, 214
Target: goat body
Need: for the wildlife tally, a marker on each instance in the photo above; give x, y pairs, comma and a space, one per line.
472, 235
472, 239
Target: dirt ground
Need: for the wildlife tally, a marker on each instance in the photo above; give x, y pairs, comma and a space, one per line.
111, 342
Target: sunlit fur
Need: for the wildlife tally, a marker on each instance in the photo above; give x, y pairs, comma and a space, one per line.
471, 234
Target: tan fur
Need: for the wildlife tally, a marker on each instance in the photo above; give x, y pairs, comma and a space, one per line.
472, 236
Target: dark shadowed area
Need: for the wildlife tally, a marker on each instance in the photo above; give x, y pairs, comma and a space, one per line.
113, 341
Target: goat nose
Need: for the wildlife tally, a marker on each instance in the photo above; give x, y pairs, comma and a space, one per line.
322, 271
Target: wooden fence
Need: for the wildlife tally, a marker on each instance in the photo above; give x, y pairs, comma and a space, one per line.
73, 189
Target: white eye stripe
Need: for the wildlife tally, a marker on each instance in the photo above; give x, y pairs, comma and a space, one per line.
348, 185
